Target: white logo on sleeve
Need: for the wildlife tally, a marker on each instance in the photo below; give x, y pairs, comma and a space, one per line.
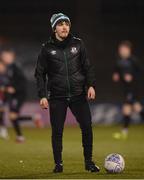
53, 52
73, 50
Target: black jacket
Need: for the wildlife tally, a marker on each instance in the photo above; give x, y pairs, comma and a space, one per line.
66, 67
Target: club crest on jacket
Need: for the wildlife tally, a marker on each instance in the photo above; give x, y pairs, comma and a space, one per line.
73, 50
53, 52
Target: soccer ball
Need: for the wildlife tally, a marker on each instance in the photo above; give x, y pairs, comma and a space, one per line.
114, 163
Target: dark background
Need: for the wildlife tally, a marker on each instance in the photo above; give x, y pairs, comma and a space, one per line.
102, 24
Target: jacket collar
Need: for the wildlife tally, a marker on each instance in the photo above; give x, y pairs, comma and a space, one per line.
60, 44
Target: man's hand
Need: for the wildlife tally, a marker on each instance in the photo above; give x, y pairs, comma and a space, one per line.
2, 89
91, 93
44, 103
11, 90
116, 77
128, 77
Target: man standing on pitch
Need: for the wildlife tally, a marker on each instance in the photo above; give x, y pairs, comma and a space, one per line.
64, 67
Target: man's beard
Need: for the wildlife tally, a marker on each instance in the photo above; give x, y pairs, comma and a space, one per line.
64, 37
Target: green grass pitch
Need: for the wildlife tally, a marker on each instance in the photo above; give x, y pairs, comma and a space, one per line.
34, 159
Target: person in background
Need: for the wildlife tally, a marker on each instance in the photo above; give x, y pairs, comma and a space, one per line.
17, 93
4, 83
127, 72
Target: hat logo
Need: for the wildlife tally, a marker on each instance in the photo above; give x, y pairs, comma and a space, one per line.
74, 50
53, 52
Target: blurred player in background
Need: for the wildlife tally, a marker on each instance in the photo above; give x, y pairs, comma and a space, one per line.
127, 72
4, 83
16, 95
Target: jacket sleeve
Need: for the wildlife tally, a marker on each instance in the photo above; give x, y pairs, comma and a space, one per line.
88, 69
116, 68
19, 81
40, 73
138, 68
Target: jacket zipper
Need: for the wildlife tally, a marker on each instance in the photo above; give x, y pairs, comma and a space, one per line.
69, 94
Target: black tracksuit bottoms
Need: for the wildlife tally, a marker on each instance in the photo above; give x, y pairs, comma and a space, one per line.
80, 109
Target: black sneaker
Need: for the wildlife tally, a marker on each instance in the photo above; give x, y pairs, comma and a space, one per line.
90, 166
58, 168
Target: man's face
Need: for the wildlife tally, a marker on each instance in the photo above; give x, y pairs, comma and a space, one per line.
124, 51
62, 29
8, 57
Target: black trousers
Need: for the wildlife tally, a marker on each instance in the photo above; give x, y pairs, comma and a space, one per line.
80, 109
